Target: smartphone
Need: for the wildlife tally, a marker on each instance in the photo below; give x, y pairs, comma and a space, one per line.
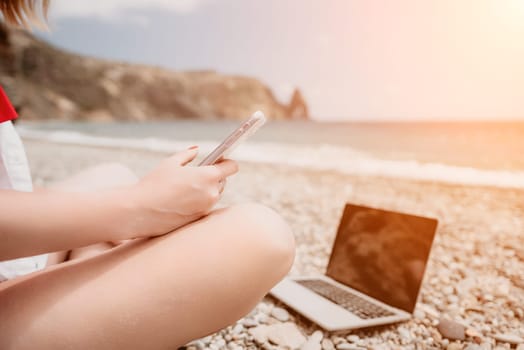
246, 129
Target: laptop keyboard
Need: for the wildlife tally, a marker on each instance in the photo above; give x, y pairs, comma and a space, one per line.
349, 301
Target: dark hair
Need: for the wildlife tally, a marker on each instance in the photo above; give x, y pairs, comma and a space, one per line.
24, 12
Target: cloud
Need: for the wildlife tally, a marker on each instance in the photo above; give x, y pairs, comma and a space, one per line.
110, 9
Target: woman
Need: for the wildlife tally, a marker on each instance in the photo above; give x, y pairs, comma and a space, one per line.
150, 264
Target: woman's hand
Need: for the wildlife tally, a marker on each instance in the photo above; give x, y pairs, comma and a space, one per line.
169, 197
174, 194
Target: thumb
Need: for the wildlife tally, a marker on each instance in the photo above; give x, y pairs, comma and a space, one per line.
186, 156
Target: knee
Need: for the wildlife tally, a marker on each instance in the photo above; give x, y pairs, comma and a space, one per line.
267, 236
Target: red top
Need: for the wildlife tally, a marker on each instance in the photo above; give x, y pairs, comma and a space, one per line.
7, 112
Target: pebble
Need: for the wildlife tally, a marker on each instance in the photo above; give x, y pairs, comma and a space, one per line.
419, 314
508, 338
267, 346
311, 344
472, 347
486, 346
386, 346
284, 334
233, 346
430, 311
353, 338
327, 344
317, 335
502, 290
486, 328
338, 340
197, 345
405, 334
238, 337
248, 323
207, 340
259, 333
261, 318
474, 334
347, 346
451, 329
448, 290
264, 307
488, 297
280, 314
454, 346
435, 335
238, 328
221, 343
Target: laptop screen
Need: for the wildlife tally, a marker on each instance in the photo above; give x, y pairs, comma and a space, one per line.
382, 254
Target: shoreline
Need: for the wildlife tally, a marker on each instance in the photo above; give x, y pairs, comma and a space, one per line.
345, 160
476, 145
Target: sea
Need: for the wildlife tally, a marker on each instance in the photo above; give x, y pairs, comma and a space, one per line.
470, 153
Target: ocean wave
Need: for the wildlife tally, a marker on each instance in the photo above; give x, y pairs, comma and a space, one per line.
322, 157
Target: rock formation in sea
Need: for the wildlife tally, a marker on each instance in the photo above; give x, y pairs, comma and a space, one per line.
45, 82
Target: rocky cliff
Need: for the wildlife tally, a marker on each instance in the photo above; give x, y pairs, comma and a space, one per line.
48, 83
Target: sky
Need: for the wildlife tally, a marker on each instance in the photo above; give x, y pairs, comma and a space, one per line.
352, 59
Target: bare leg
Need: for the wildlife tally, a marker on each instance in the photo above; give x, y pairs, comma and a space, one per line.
92, 179
151, 294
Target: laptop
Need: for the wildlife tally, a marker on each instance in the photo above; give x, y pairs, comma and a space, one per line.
374, 274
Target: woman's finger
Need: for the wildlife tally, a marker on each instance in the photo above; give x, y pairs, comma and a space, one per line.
186, 156
227, 168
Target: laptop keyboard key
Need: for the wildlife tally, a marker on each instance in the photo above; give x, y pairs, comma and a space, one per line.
346, 299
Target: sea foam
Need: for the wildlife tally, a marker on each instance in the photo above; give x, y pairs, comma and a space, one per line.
323, 157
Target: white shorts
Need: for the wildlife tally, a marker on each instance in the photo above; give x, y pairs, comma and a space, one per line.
19, 267
15, 175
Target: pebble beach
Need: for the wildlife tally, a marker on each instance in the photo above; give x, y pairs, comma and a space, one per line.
473, 293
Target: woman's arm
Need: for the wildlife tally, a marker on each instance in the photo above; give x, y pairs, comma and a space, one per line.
169, 197
46, 221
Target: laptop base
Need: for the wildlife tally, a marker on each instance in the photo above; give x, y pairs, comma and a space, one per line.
325, 313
